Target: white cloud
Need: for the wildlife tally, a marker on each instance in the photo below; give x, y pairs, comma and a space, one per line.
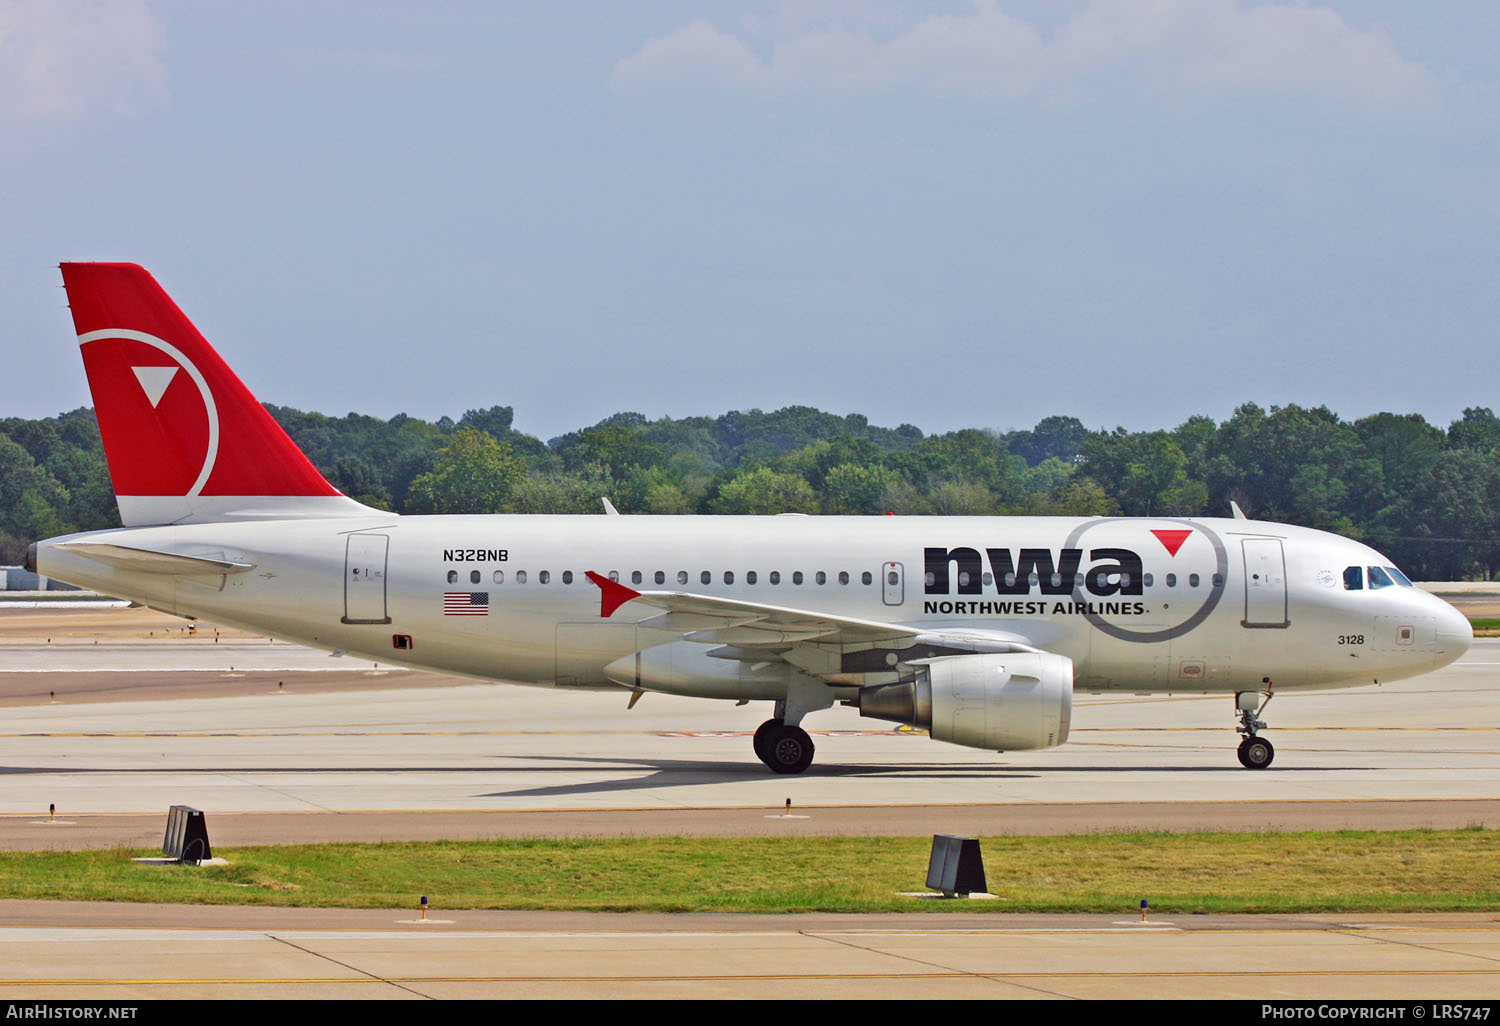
698, 53
1187, 50
71, 59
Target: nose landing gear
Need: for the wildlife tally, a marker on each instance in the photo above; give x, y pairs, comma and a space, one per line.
1255, 752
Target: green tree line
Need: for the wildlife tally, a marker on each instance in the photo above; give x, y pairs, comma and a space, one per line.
1424, 496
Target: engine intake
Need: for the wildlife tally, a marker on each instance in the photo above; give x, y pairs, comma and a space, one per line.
1004, 702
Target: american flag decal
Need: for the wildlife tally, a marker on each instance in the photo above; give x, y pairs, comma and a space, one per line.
466, 603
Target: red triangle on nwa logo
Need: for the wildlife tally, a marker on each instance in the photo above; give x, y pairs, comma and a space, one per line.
1172, 540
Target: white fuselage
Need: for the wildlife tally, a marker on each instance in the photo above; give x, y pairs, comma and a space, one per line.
1146, 605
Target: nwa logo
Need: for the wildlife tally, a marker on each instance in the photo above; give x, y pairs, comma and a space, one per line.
1098, 573
1111, 571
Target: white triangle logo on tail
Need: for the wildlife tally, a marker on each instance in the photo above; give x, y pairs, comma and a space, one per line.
154, 381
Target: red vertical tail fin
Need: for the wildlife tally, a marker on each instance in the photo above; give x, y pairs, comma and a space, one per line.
185, 439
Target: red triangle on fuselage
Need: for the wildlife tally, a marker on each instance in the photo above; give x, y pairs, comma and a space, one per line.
1172, 539
612, 594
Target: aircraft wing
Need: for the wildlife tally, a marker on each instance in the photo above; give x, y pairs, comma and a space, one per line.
753, 625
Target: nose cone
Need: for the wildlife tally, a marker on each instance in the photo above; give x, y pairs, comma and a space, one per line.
1454, 635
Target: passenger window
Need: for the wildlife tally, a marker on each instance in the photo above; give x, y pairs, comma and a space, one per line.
1057, 580
543, 576
705, 577
1147, 580
821, 577
1010, 580
614, 575
452, 576
1125, 580
520, 576
659, 577
843, 577
728, 576
865, 578
1217, 579
796, 576
893, 578
1171, 580
988, 578
775, 576
682, 577
499, 576
1192, 580
750, 577
567, 577
1354, 578
930, 579
635, 577
1380, 579
473, 576
963, 578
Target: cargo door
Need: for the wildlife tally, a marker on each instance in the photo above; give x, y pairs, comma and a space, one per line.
584, 649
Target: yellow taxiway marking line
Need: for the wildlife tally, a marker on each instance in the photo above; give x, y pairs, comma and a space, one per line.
573, 810
158, 735
754, 977
1162, 928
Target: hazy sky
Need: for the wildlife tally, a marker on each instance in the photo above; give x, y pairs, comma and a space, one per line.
971, 214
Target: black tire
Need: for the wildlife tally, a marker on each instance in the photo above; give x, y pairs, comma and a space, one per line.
788, 749
1256, 753
759, 741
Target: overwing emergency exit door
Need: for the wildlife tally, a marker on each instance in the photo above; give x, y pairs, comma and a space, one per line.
364, 578
892, 584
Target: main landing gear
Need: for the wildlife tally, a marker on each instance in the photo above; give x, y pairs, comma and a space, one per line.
786, 749
1255, 752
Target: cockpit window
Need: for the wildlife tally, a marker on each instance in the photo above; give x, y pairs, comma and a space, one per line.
1380, 579
1354, 578
1401, 578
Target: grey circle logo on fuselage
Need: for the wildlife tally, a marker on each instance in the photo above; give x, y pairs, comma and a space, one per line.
1217, 582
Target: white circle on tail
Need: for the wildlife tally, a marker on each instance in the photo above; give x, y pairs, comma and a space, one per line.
192, 371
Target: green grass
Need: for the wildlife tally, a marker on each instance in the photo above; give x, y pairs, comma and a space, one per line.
1349, 871
1485, 623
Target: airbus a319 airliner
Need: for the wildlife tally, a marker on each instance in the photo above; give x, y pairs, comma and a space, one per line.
977, 629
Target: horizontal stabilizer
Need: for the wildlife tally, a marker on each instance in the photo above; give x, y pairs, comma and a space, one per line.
149, 561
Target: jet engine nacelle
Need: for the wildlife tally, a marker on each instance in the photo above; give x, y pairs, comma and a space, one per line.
1002, 702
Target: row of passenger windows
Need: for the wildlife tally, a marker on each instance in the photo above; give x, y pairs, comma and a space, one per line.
843, 577
660, 577
1380, 577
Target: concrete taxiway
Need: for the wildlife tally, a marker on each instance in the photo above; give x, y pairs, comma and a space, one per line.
298, 742
281, 744
300, 953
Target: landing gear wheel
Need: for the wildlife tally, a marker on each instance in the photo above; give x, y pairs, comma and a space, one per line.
759, 741
1256, 753
786, 749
